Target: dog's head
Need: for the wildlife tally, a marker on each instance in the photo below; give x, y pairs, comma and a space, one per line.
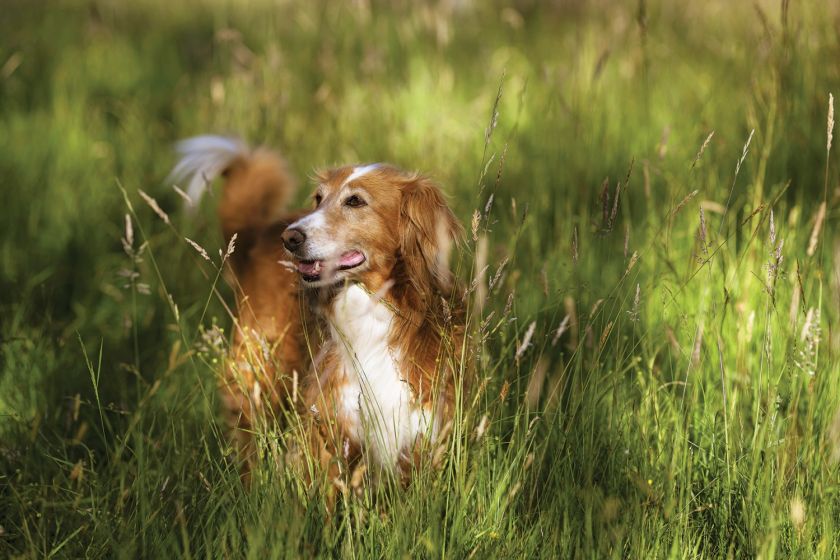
373, 223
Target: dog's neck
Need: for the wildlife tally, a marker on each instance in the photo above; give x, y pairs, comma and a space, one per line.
412, 302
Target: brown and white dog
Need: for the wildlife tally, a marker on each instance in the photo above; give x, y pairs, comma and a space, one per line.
368, 295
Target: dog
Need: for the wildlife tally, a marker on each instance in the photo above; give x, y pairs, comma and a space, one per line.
348, 314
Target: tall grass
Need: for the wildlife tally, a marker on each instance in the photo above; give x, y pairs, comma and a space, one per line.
650, 197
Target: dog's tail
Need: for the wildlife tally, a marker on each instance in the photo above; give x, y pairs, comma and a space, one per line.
257, 183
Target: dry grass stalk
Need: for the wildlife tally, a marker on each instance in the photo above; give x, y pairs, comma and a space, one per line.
503, 393
744, 152
634, 312
231, 247
480, 272
799, 283
526, 341
672, 340
535, 384
634, 258
834, 437
128, 242
508, 305
494, 118
564, 326
571, 313
662, 147
815, 233
529, 460
476, 218
830, 123
445, 243
629, 172
683, 202
808, 326
626, 239
614, 210
704, 234
481, 428
439, 455
698, 346
154, 206
702, 149
605, 202
794, 304
198, 248
605, 335
183, 195
752, 214
129, 232
499, 271
595, 308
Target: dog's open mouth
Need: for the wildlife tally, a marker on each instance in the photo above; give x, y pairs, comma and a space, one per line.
311, 270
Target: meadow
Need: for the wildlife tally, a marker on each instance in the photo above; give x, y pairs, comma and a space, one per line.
652, 265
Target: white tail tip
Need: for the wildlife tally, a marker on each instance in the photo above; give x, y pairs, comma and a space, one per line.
203, 158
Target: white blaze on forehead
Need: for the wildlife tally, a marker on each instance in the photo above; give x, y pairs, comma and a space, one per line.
314, 221
360, 172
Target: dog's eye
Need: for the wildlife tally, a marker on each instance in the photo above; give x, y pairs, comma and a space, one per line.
318, 199
354, 201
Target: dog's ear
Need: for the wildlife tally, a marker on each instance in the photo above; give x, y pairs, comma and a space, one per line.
428, 231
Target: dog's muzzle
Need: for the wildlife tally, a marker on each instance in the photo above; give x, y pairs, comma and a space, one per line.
293, 238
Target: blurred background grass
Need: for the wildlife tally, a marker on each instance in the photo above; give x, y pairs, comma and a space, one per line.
687, 407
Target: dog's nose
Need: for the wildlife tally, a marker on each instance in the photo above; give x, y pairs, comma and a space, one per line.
293, 238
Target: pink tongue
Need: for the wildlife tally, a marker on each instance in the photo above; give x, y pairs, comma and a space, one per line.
351, 258
347, 260
309, 268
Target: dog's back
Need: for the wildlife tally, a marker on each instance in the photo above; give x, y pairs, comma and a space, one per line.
268, 353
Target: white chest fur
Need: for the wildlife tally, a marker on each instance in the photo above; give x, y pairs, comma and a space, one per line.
375, 403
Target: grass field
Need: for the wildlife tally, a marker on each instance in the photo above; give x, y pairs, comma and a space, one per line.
655, 268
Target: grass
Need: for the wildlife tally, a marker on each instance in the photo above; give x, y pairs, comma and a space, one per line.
688, 405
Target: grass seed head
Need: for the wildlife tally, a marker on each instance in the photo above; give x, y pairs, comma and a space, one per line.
129, 233
231, 247
198, 248
564, 326
526, 341
704, 234
815, 232
154, 206
183, 195
634, 312
744, 153
536, 383
702, 149
481, 428
476, 218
